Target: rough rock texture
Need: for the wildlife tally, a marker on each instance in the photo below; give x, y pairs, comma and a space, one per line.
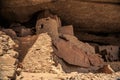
85, 16
80, 54
114, 65
49, 25
109, 53
10, 32
66, 30
106, 69
71, 76
107, 39
20, 30
76, 56
83, 46
8, 57
39, 56
25, 43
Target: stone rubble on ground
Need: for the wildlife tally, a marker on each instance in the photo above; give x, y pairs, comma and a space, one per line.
68, 76
8, 57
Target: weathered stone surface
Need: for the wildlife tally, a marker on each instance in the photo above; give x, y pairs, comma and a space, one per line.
6, 43
68, 68
109, 53
66, 30
114, 65
106, 39
49, 25
10, 32
106, 69
95, 60
20, 30
84, 15
76, 56
38, 57
8, 61
7, 67
13, 53
83, 46
80, 54
9, 74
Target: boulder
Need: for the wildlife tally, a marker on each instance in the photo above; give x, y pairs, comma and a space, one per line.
80, 54
83, 46
86, 16
76, 56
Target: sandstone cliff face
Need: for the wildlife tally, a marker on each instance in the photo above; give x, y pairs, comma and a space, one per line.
85, 16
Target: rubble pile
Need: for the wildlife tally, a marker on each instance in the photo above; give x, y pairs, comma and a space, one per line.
8, 57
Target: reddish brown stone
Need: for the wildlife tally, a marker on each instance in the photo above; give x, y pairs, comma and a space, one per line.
106, 69
71, 53
95, 60
66, 30
10, 32
75, 52
88, 49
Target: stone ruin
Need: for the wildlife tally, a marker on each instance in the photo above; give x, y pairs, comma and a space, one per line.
51, 47
54, 49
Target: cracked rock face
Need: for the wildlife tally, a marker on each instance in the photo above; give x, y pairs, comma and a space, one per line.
85, 16
8, 57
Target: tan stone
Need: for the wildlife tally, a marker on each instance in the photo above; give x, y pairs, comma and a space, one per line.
49, 25
13, 53
7, 60
39, 56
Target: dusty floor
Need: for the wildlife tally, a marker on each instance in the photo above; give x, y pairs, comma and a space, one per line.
71, 76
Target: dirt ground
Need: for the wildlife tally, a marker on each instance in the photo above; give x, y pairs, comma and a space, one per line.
71, 76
